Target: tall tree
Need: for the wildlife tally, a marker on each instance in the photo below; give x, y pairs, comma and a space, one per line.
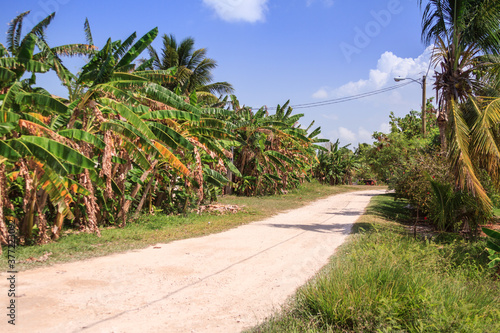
193, 67
465, 33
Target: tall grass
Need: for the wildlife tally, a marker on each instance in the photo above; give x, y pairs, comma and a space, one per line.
385, 281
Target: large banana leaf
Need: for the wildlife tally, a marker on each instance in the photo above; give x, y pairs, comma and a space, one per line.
41, 101
211, 132
6, 75
33, 121
157, 76
170, 136
81, 135
172, 160
212, 123
39, 28
122, 76
217, 112
281, 157
14, 32
314, 133
56, 187
27, 48
128, 114
137, 49
9, 117
132, 134
34, 66
9, 62
213, 177
160, 94
293, 119
10, 96
8, 152
120, 93
26, 150
145, 65
171, 114
123, 47
137, 155
63, 159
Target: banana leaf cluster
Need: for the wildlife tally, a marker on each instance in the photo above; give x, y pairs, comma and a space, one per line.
124, 142
337, 165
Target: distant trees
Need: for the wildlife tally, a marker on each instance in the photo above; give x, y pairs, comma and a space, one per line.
336, 165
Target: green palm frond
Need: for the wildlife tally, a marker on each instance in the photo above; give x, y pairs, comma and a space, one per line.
460, 157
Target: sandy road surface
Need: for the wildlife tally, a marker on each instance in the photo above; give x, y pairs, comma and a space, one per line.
218, 283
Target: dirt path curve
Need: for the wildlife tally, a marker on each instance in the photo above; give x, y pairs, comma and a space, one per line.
218, 283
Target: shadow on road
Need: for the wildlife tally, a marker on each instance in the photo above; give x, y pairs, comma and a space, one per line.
314, 227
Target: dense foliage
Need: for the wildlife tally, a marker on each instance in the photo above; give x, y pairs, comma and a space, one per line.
130, 137
419, 171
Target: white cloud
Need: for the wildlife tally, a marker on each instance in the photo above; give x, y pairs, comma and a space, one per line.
346, 135
389, 66
364, 135
326, 3
239, 10
330, 116
322, 93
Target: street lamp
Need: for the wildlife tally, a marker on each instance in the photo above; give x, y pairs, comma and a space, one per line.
424, 101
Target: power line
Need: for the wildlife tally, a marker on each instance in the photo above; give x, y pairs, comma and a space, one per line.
344, 99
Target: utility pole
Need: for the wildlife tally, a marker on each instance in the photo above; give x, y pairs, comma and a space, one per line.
424, 98
424, 105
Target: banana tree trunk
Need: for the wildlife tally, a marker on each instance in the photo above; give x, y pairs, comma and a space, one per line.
126, 205
144, 196
56, 230
4, 234
29, 218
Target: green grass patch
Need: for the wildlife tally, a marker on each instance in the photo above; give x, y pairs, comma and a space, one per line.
153, 229
383, 280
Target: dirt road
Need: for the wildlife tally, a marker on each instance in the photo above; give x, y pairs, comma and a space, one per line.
219, 283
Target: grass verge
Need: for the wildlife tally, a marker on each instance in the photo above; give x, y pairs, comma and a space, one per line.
149, 230
383, 280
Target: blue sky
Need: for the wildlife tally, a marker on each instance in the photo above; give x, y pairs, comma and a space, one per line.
272, 51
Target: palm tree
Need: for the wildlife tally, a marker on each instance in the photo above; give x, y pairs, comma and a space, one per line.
193, 68
465, 34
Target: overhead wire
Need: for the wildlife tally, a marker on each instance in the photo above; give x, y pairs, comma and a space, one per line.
344, 99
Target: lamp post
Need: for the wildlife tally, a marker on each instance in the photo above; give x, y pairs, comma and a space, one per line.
424, 101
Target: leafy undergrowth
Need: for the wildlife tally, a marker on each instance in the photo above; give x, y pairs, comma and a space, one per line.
383, 280
153, 229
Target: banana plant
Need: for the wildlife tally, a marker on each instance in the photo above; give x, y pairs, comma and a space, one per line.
272, 149
44, 157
